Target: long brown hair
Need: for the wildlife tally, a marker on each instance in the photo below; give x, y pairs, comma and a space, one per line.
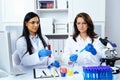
90, 30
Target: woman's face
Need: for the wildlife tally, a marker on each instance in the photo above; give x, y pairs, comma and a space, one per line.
81, 25
33, 25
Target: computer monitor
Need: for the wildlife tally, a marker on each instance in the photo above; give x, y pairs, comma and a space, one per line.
5, 52
15, 32
6, 64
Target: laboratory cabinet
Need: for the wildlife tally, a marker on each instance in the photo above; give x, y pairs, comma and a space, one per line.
54, 16
57, 47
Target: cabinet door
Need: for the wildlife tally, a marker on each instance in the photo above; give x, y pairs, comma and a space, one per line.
95, 8
15, 10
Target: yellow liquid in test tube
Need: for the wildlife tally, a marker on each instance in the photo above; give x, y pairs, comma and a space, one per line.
70, 72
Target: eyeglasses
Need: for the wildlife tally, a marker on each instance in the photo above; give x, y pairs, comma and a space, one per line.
33, 22
83, 24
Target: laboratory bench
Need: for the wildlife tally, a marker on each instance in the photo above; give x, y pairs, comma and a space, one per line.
30, 76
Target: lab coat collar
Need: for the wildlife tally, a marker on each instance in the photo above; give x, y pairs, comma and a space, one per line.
36, 47
33, 36
79, 39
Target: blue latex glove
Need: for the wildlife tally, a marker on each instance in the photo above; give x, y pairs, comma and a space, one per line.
90, 48
44, 52
73, 57
55, 64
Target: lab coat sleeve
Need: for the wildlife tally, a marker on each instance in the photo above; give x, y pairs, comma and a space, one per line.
29, 60
15, 58
25, 58
86, 58
100, 48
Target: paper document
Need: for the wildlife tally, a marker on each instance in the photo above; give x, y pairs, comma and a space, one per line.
45, 73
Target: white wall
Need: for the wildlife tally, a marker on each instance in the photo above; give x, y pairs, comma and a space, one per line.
113, 22
0, 9
15, 10
0, 15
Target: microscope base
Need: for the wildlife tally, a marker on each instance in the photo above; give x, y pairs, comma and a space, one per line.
111, 62
115, 70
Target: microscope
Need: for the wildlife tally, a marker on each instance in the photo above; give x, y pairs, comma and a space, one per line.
111, 55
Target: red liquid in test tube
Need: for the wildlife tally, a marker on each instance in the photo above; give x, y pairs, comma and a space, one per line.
49, 48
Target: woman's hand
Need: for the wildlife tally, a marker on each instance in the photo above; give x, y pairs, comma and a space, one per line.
73, 57
90, 48
44, 53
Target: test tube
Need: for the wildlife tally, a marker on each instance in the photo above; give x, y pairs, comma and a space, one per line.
49, 48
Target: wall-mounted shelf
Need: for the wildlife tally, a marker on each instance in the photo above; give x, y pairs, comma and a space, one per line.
65, 36
45, 10
54, 14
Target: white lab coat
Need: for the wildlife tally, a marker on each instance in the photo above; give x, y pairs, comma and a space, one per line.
84, 58
20, 58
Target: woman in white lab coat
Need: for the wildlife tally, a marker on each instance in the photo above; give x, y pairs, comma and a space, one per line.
30, 43
74, 50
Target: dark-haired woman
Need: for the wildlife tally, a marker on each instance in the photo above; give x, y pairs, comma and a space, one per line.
31, 46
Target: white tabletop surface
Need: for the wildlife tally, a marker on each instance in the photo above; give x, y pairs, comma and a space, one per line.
29, 76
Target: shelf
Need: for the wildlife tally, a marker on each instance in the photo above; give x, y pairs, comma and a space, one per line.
63, 36
56, 34
56, 10
45, 10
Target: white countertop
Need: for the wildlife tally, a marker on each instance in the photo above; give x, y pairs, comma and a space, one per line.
29, 76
